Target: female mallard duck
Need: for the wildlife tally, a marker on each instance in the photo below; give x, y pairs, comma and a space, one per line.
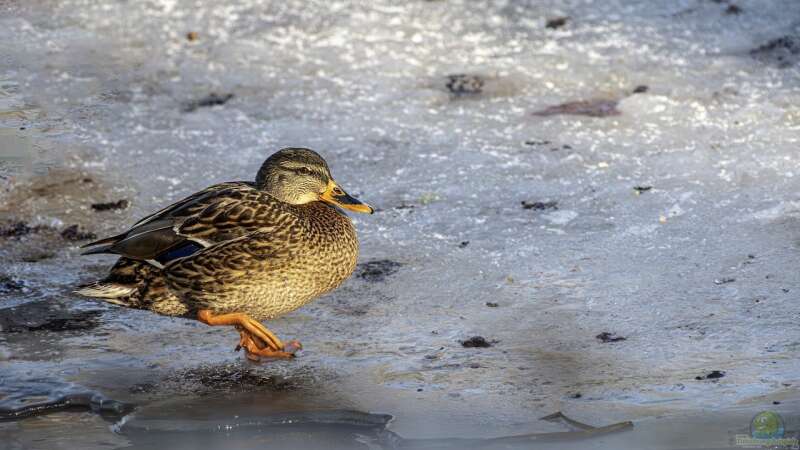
238, 253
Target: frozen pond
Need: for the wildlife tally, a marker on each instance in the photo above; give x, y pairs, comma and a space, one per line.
552, 176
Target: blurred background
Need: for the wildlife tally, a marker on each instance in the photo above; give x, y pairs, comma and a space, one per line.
585, 206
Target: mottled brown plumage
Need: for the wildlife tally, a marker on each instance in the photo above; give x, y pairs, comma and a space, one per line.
257, 249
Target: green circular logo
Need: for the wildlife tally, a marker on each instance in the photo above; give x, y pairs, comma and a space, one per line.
766, 425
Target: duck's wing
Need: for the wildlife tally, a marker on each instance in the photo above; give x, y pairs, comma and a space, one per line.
182, 207
210, 275
219, 213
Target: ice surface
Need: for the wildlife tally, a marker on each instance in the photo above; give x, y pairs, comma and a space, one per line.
101, 89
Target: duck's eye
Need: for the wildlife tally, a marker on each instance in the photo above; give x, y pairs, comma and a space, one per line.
304, 170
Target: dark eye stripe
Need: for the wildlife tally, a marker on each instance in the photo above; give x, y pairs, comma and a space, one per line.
303, 170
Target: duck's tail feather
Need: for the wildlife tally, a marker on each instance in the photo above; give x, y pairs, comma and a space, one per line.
122, 283
136, 284
106, 290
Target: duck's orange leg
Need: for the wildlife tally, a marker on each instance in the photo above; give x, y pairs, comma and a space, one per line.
253, 350
252, 333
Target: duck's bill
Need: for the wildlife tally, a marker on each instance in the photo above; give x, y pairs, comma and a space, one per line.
337, 196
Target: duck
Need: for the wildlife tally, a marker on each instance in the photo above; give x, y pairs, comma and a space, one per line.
239, 253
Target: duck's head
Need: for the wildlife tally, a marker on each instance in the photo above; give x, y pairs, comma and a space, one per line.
299, 176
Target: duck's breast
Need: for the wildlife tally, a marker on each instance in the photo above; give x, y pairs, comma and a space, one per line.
324, 256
